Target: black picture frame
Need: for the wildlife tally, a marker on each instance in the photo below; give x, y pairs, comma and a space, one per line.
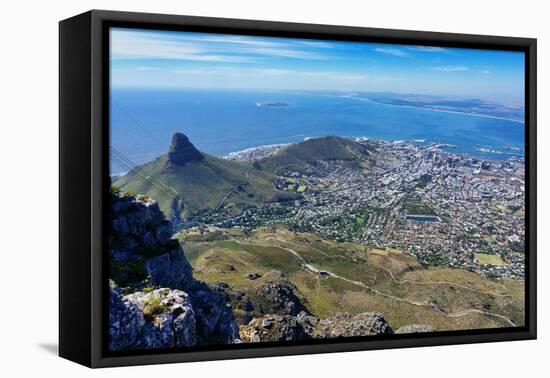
84, 184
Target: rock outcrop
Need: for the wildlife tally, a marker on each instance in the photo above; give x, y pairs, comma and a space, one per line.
162, 318
415, 328
275, 328
278, 296
170, 270
141, 245
125, 322
304, 326
348, 325
271, 293
215, 320
182, 150
154, 300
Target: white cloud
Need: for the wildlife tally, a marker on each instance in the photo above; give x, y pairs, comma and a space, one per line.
254, 41
283, 52
231, 39
235, 76
486, 72
349, 77
321, 44
233, 49
266, 72
391, 51
273, 71
427, 48
451, 68
140, 45
234, 71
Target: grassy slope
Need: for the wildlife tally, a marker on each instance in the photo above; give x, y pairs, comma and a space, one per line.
390, 272
311, 150
202, 184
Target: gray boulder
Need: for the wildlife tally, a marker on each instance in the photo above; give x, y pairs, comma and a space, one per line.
162, 318
215, 319
305, 326
415, 328
125, 322
348, 325
278, 296
270, 293
273, 328
170, 270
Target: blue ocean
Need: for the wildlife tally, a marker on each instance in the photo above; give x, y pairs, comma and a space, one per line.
219, 122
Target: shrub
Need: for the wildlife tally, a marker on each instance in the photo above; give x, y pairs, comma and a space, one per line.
115, 190
153, 307
142, 197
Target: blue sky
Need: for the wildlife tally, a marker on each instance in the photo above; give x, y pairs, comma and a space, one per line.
162, 59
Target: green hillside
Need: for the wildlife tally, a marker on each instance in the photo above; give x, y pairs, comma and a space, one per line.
204, 183
329, 148
360, 279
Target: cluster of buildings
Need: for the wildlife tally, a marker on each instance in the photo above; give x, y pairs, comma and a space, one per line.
255, 153
441, 207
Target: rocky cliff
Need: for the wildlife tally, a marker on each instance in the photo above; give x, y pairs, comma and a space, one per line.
154, 301
271, 293
161, 318
304, 326
141, 246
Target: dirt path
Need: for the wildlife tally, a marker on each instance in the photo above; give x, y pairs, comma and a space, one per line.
317, 271
247, 177
401, 282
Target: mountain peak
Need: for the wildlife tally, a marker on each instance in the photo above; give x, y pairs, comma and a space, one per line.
182, 150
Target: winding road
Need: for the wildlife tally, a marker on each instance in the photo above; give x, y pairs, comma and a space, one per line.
318, 271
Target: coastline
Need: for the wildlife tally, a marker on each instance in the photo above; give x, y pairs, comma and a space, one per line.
433, 109
271, 149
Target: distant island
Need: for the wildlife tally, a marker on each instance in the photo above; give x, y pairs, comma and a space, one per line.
273, 104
